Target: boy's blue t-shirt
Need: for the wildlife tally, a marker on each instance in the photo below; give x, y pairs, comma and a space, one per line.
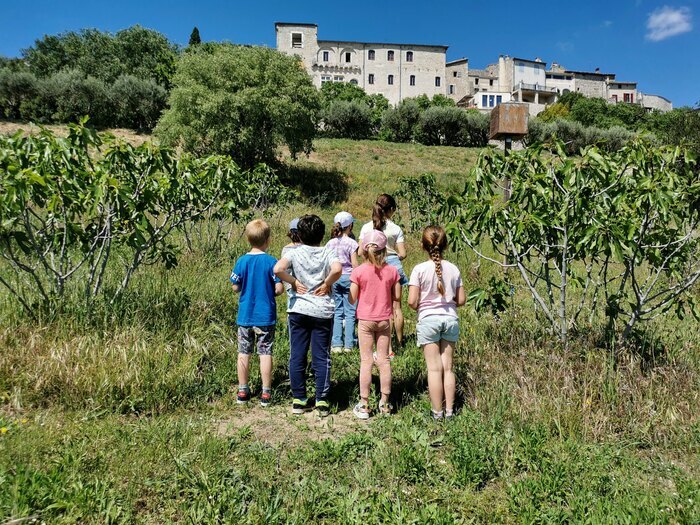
254, 274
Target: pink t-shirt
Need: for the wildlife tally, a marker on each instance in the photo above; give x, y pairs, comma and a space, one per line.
431, 302
375, 298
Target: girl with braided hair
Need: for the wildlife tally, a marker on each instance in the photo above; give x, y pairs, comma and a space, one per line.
435, 291
382, 212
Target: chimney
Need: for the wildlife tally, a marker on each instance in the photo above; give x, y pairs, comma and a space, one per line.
597, 70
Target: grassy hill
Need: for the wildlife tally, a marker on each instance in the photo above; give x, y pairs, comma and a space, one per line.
129, 415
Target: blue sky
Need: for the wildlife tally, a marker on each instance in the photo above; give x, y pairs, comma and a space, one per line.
653, 42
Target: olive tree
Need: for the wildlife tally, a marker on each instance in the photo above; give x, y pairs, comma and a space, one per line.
241, 101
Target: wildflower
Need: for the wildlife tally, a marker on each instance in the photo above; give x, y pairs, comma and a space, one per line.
3, 430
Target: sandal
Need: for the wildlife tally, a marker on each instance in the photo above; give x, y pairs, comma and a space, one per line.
385, 408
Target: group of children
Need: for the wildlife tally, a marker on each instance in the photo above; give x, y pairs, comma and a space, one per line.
328, 289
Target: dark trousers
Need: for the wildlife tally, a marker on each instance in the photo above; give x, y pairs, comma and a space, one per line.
305, 330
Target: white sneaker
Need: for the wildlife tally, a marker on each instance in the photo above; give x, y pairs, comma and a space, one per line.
347, 350
361, 411
336, 349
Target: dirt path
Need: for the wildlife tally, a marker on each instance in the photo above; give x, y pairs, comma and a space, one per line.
9, 128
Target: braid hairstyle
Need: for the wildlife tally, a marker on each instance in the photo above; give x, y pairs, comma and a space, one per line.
385, 204
434, 242
336, 231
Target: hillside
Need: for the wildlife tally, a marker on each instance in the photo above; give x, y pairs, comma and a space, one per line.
128, 414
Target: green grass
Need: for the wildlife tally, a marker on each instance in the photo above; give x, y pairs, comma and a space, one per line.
128, 415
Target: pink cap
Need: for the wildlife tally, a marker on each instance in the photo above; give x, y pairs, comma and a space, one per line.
375, 237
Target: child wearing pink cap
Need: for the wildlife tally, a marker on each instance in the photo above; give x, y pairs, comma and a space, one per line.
375, 285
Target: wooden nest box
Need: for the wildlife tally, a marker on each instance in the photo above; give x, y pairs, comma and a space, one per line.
509, 120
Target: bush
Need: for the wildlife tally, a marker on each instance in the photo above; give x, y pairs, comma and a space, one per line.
439, 125
347, 119
576, 136
240, 101
137, 102
72, 95
475, 129
15, 88
398, 124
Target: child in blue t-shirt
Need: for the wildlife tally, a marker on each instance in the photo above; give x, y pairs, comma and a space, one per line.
254, 278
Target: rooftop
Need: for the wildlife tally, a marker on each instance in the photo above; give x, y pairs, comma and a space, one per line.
394, 44
303, 24
458, 61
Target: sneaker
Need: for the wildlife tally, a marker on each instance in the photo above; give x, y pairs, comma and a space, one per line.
437, 416
385, 408
361, 411
322, 408
336, 349
265, 399
347, 350
300, 406
243, 397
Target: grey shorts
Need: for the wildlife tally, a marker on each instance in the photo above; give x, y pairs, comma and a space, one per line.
433, 328
247, 336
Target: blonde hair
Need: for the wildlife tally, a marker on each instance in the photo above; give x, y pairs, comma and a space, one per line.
375, 256
257, 232
434, 242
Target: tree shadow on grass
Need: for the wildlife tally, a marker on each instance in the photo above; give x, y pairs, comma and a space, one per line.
317, 185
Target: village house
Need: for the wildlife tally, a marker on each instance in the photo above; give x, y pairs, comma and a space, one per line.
401, 70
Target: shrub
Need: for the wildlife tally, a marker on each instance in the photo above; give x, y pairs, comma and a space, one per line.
15, 88
240, 101
439, 125
72, 95
347, 119
398, 124
575, 136
137, 103
475, 129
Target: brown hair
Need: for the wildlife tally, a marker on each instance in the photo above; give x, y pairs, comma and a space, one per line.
257, 232
384, 205
294, 236
434, 242
375, 256
336, 231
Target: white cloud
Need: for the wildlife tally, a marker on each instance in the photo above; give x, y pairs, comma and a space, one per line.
667, 21
606, 24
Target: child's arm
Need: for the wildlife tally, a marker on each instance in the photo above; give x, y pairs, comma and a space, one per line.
281, 272
353, 259
397, 291
401, 250
413, 296
335, 273
279, 289
460, 296
236, 287
354, 292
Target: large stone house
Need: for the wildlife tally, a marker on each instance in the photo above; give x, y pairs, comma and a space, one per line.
398, 71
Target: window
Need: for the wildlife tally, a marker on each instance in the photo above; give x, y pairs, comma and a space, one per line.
370, 54
452, 89
390, 56
499, 99
354, 81
325, 78
409, 56
370, 78
492, 100
390, 80
491, 82
297, 40
484, 101
614, 97
437, 81
338, 78
454, 74
476, 81
325, 56
348, 57
412, 80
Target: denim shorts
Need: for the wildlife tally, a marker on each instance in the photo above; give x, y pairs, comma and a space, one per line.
396, 263
433, 328
247, 336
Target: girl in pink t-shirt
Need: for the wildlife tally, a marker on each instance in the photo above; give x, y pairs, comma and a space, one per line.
374, 286
435, 290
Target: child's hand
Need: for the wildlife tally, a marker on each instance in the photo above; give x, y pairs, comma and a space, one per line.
299, 287
323, 289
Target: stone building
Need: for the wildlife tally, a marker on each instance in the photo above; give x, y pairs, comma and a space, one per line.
396, 71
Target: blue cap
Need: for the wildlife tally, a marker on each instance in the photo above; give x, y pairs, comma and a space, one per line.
293, 224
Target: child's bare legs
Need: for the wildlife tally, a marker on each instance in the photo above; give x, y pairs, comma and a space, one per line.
382, 337
243, 368
433, 360
365, 336
448, 376
396, 323
266, 371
